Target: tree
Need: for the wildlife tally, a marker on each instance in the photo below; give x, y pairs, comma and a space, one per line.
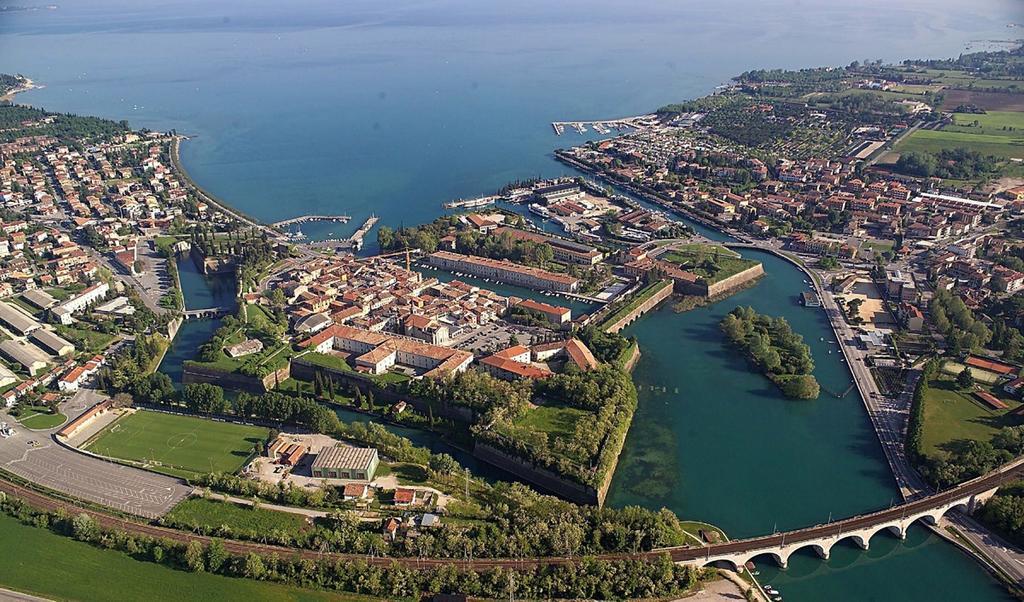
965, 380
194, 557
83, 527
254, 567
204, 398
443, 464
121, 400
802, 387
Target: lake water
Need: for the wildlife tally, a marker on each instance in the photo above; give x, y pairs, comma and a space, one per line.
392, 108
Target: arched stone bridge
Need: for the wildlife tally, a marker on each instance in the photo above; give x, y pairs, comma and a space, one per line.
859, 529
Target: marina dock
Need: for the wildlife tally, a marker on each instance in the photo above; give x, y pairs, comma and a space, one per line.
352, 243
341, 219
605, 126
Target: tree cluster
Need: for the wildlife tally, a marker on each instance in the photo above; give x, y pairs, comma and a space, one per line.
773, 346
607, 395
588, 578
951, 316
952, 163
73, 130
607, 347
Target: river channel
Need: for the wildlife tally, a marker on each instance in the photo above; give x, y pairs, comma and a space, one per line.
714, 440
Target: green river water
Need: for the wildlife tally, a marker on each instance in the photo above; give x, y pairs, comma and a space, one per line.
714, 440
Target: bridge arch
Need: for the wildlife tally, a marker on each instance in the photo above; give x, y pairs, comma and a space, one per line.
822, 550
822, 538
778, 558
861, 541
720, 563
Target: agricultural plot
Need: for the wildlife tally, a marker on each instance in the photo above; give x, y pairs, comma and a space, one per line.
993, 123
933, 141
178, 445
989, 101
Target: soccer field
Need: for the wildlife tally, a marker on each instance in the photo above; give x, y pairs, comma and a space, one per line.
178, 445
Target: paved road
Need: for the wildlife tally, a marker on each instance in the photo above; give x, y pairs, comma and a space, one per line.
889, 416
37, 457
7, 595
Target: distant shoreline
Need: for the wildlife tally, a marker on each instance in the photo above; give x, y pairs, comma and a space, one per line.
24, 87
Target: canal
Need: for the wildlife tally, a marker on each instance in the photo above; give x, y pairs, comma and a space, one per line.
714, 440
200, 291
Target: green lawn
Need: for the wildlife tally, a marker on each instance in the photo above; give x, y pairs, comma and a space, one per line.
554, 419
950, 414
165, 243
88, 340
178, 445
327, 360
32, 556
25, 305
407, 474
691, 257
880, 246
63, 293
199, 512
933, 141
275, 357
257, 315
38, 419
641, 296
693, 528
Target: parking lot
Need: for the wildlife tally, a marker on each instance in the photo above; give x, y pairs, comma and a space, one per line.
37, 457
154, 281
497, 335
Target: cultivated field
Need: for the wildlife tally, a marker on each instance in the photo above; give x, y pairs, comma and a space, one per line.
178, 445
990, 101
993, 123
933, 141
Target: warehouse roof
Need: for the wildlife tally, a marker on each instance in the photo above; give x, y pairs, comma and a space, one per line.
358, 458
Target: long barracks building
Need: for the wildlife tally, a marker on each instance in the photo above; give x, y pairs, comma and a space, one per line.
504, 271
563, 250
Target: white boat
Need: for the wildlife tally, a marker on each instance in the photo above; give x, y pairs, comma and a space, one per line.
539, 210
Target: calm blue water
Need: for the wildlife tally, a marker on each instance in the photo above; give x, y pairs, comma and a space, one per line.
394, 107
391, 108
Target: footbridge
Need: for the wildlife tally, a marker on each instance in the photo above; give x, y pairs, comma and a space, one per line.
208, 312
859, 529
